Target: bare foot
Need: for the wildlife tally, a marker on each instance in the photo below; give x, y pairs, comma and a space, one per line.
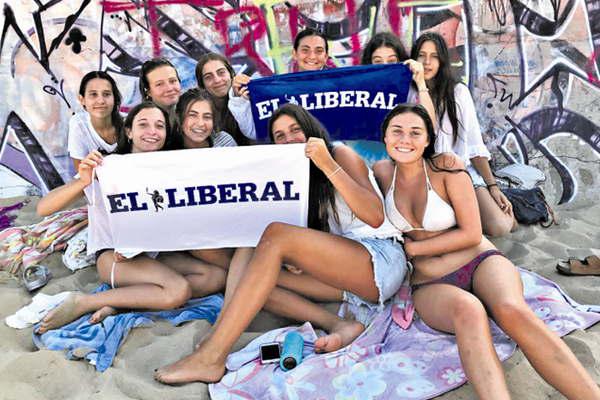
102, 313
67, 311
193, 368
342, 334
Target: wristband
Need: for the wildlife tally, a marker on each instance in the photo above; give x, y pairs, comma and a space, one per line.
424, 90
491, 184
334, 172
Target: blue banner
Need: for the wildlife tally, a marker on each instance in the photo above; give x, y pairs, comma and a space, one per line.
350, 102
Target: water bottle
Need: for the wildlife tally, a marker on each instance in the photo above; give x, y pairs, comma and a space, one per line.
291, 356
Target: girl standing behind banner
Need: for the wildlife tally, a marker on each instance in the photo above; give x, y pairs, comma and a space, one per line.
140, 282
159, 81
97, 127
347, 253
386, 48
310, 53
215, 74
459, 275
458, 130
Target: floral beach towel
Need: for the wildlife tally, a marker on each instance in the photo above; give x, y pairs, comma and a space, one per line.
386, 361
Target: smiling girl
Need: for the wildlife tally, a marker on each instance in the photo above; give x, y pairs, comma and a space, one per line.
140, 281
346, 253
458, 131
97, 127
160, 82
460, 277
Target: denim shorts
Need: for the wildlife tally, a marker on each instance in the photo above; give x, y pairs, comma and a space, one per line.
389, 270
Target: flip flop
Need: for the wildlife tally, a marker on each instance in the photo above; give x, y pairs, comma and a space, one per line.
593, 261
36, 276
575, 267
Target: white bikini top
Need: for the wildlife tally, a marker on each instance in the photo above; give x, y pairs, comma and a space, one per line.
350, 226
438, 215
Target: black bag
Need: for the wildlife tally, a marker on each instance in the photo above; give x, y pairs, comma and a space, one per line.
530, 207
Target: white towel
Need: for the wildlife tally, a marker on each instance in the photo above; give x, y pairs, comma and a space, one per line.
33, 313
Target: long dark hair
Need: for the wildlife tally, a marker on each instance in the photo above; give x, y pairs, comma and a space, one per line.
321, 194
183, 107
123, 142
211, 57
383, 39
444, 82
115, 117
148, 67
429, 153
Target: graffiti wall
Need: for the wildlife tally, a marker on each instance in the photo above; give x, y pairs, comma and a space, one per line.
533, 67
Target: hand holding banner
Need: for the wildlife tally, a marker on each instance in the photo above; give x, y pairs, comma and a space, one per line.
203, 198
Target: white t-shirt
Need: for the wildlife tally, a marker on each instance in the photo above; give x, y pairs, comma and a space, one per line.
469, 143
83, 138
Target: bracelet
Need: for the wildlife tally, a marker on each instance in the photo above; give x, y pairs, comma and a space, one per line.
491, 184
424, 90
334, 172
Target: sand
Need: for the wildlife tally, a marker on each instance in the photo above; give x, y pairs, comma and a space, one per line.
28, 373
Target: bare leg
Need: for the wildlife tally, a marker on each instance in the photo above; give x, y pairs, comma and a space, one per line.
450, 309
219, 257
239, 261
204, 278
494, 221
143, 283
498, 284
304, 284
338, 261
288, 304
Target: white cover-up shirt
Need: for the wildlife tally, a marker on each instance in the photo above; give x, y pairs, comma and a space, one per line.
469, 143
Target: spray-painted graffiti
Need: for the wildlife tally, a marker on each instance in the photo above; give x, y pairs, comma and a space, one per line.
533, 67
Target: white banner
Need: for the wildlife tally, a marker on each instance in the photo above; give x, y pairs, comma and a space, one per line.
203, 198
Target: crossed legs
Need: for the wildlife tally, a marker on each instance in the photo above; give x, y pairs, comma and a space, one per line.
142, 283
340, 262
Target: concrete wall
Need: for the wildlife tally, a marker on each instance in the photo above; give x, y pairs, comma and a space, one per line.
532, 66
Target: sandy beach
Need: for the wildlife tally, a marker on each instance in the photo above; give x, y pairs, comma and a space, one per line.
27, 373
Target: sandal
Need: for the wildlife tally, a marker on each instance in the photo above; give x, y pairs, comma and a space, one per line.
574, 267
36, 276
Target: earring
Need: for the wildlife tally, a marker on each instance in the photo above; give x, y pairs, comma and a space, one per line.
129, 140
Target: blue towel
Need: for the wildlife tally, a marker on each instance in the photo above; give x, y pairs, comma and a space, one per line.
100, 342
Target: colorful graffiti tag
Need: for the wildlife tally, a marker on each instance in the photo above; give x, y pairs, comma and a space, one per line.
532, 66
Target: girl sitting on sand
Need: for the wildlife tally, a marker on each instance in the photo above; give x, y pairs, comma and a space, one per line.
97, 127
459, 275
197, 128
343, 252
141, 282
458, 131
